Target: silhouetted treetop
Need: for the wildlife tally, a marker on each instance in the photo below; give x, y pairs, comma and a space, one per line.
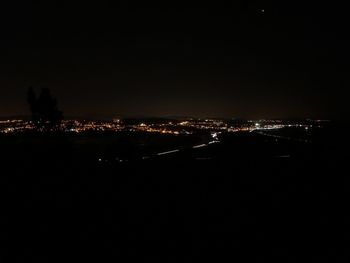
45, 113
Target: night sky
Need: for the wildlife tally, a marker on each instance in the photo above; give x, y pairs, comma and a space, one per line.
252, 59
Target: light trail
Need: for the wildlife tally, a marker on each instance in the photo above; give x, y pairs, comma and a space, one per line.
199, 146
168, 152
284, 138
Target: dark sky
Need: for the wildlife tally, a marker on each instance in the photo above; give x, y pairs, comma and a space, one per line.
255, 59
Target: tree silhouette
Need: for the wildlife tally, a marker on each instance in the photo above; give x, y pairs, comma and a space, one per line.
45, 114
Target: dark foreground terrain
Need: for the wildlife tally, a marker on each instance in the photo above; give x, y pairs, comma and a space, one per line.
250, 198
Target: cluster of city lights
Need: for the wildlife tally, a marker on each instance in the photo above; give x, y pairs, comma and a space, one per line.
13, 126
188, 126
79, 126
